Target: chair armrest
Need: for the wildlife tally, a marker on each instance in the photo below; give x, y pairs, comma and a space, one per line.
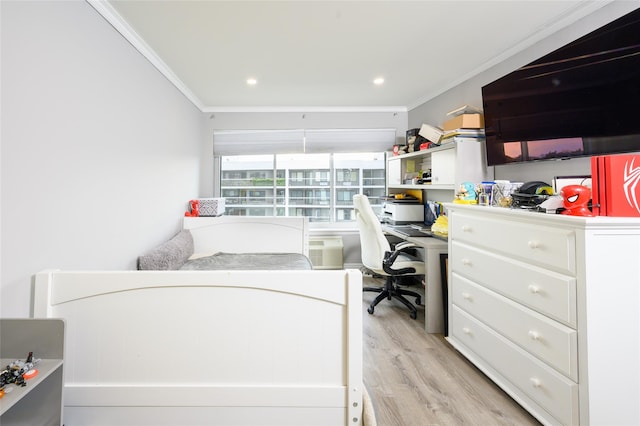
404, 245
391, 256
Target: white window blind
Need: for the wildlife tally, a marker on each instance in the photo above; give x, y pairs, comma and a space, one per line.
250, 142
349, 140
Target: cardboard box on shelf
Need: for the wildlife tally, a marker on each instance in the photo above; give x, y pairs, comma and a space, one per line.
464, 121
431, 133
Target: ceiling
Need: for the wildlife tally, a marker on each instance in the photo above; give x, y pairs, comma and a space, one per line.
325, 54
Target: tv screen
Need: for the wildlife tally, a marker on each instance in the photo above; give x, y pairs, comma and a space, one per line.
579, 100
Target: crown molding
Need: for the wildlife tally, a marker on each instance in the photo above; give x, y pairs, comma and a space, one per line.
580, 11
107, 11
393, 109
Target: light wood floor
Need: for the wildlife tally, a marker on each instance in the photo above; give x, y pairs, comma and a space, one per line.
418, 379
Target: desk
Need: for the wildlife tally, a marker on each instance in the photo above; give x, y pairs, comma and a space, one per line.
433, 247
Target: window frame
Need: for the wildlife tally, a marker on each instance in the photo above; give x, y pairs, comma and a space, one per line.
336, 204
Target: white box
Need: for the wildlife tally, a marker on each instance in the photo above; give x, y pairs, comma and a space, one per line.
211, 206
431, 133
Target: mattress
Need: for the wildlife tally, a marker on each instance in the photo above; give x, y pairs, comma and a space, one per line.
249, 261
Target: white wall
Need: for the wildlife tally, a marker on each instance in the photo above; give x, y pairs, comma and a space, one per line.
99, 152
469, 92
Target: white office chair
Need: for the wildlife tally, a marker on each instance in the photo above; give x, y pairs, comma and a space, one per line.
378, 257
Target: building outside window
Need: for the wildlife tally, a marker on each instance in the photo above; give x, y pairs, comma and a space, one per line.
318, 186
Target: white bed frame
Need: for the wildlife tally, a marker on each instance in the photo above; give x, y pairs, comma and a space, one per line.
211, 347
244, 234
208, 347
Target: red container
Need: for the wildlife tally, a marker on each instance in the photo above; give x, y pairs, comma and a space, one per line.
615, 181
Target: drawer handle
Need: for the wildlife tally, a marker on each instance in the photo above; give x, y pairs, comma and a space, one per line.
466, 228
466, 330
534, 244
466, 296
535, 382
534, 335
466, 262
534, 289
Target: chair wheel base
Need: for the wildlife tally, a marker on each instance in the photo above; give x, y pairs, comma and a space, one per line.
391, 291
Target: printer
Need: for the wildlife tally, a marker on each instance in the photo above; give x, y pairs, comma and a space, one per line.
402, 212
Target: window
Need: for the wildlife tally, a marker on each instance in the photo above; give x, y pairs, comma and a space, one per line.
301, 172
319, 186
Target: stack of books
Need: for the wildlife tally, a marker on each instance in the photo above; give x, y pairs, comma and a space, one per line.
461, 133
463, 123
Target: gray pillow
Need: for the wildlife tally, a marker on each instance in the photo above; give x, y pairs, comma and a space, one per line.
170, 255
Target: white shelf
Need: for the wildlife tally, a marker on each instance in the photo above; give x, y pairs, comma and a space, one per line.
14, 393
40, 401
424, 152
450, 164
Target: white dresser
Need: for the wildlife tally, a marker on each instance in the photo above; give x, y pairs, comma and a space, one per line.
548, 306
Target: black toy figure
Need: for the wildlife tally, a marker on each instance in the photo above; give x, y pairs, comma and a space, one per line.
15, 372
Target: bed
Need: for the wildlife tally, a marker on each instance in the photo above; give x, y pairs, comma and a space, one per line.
241, 234
223, 347
228, 242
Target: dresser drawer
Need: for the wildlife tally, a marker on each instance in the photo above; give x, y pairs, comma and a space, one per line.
552, 342
548, 388
550, 293
546, 246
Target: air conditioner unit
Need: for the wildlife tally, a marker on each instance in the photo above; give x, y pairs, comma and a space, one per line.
326, 252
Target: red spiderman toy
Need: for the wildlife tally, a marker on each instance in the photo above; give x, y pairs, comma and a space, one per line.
576, 200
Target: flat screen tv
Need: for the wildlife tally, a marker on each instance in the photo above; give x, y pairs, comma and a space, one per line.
580, 100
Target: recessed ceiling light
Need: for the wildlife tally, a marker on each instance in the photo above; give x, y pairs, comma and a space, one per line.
378, 81
252, 81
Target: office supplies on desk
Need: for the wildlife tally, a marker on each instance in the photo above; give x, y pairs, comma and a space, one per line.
432, 210
403, 213
411, 231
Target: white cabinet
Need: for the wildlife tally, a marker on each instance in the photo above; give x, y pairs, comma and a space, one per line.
40, 401
463, 160
394, 171
443, 167
547, 307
